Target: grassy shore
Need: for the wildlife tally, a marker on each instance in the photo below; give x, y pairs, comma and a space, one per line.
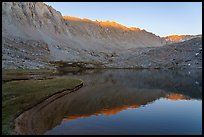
24, 74
19, 95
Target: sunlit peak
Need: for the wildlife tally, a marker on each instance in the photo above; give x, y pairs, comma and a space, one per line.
175, 37
106, 23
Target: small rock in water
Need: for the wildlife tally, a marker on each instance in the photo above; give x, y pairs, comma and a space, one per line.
189, 64
197, 54
196, 82
189, 72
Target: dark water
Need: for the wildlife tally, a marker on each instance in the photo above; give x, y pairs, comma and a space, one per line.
128, 102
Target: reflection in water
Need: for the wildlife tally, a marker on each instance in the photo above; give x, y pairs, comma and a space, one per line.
177, 97
113, 111
128, 96
107, 112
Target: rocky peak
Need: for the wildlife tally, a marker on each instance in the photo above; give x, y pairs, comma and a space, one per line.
106, 23
33, 14
179, 38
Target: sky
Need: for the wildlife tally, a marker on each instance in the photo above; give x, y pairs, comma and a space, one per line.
160, 18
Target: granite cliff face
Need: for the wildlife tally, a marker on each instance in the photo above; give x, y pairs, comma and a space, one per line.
35, 34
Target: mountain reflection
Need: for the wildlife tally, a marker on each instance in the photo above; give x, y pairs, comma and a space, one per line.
113, 111
107, 112
177, 97
112, 91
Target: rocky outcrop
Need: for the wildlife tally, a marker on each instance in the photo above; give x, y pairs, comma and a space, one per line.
187, 54
179, 38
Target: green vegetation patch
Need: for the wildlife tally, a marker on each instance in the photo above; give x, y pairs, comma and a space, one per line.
81, 65
19, 95
24, 74
74, 67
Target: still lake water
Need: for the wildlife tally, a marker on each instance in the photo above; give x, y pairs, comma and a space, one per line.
128, 101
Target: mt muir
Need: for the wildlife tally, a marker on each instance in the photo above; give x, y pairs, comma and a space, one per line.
34, 35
